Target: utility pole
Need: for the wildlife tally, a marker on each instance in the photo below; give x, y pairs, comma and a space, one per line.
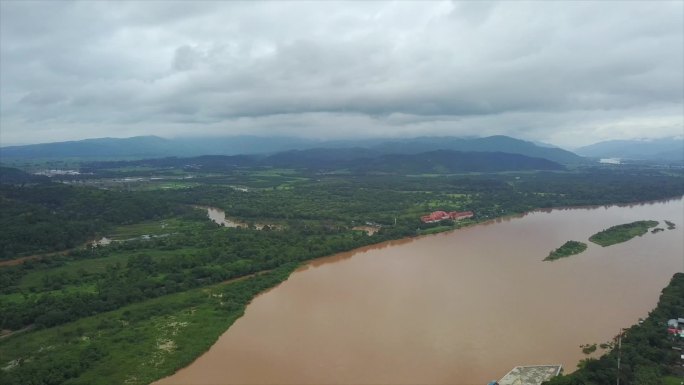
619, 356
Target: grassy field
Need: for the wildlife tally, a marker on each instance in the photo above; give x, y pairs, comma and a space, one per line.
622, 233
166, 226
569, 248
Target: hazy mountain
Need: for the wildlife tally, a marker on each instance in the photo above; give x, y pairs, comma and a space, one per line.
135, 147
319, 157
352, 159
438, 162
544, 144
667, 149
155, 147
447, 161
498, 143
244, 144
204, 162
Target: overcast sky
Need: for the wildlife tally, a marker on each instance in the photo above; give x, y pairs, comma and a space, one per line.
567, 73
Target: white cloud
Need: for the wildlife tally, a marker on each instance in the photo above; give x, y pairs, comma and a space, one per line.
569, 73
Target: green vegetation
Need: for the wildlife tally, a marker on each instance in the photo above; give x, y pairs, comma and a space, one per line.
155, 267
153, 300
135, 344
569, 248
435, 230
646, 355
622, 233
50, 217
588, 348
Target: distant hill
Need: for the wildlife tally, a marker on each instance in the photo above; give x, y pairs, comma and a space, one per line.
498, 143
204, 162
432, 162
359, 160
141, 147
138, 146
447, 162
319, 158
10, 175
666, 149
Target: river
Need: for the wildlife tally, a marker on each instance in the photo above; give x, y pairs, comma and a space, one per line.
462, 307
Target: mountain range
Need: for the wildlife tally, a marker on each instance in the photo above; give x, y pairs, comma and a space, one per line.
154, 147
665, 149
356, 160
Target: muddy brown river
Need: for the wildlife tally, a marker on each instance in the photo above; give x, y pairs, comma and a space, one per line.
454, 308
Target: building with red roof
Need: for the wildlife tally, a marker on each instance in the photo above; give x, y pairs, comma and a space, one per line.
437, 216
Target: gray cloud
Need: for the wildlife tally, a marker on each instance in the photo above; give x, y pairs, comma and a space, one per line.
565, 72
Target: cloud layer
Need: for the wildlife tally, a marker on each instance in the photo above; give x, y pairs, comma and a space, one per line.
569, 73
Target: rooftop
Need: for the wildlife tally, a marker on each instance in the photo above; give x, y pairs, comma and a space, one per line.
530, 375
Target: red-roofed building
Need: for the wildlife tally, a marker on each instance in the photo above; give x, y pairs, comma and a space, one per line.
458, 215
442, 215
435, 217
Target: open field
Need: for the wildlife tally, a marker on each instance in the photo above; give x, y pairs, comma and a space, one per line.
165, 226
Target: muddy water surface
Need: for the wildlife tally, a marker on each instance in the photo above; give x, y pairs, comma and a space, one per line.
454, 308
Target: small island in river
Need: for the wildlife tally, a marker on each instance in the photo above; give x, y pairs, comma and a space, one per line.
569, 248
622, 233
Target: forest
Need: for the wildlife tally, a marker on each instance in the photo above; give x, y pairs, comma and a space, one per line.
50, 216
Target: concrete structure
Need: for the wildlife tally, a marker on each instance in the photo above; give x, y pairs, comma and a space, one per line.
530, 375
